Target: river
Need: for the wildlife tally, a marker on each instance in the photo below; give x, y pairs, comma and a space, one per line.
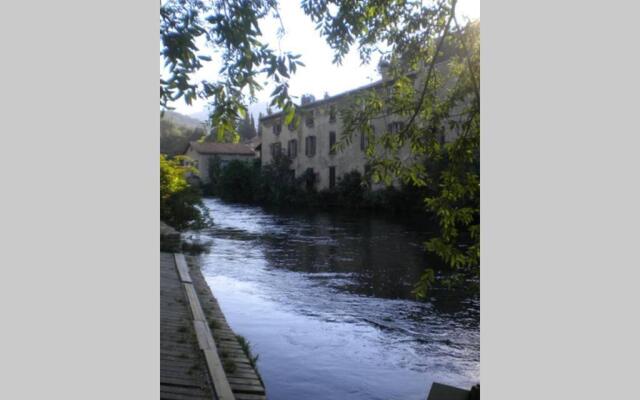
325, 302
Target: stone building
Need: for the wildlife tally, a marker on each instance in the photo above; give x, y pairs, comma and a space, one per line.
200, 155
310, 144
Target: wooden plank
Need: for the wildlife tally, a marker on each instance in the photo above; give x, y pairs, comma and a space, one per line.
247, 389
194, 303
205, 340
243, 374
183, 269
244, 381
218, 377
190, 391
172, 380
203, 334
183, 371
247, 396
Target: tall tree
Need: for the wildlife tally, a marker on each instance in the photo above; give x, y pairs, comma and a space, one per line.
246, 129
259, 125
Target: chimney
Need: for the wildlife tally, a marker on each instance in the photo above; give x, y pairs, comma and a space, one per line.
383, 69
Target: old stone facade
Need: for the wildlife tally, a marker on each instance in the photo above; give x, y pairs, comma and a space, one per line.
309, 145
201, 154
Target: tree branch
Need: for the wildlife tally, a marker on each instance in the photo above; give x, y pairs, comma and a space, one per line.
430, 72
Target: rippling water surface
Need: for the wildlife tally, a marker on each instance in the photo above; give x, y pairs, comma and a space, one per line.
325, 302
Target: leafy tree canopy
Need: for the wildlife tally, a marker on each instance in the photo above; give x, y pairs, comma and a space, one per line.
231, 29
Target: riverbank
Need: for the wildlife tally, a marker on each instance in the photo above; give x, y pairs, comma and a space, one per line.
200, 357
237, 361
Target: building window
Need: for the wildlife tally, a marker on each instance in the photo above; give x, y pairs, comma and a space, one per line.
277, 128
308, 121
332, 177
310, 146
363, 141
291, 126
292, 148
395, 127
332, 142
276, 149
332, 114
310, 178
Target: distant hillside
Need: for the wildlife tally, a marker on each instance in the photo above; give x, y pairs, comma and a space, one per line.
176, 131
254, 109
182, 120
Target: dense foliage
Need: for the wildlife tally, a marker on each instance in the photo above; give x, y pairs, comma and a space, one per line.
245, 182
235, 182
274, 185
180, 203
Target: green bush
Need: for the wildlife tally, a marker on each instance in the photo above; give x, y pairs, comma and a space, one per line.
351, 189
237, 182
277, 185
180, 203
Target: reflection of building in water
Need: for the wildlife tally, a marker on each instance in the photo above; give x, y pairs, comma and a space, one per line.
376, 255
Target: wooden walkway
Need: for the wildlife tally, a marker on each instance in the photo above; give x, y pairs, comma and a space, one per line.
200, 357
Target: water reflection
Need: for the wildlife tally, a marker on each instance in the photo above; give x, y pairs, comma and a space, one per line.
325, 299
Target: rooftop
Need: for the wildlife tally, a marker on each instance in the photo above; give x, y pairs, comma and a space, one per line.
327, 99
222, 148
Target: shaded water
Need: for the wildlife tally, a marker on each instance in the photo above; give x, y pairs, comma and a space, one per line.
325, 302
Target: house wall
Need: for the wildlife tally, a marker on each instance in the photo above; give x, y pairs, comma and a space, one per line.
350, 158
203, 161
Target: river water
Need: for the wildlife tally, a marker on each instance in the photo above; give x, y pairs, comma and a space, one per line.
325, 302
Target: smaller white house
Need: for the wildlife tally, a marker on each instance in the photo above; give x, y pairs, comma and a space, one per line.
202, 153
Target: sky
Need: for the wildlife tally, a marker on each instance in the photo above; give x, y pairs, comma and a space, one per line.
319, 75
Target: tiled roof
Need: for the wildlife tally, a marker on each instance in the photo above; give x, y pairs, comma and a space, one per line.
254, 142
222, 148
